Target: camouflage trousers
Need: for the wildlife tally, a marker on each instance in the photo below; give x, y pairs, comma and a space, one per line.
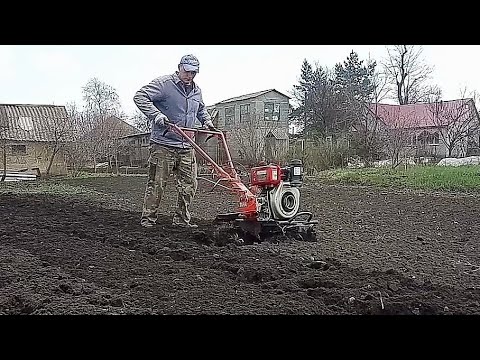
163, 162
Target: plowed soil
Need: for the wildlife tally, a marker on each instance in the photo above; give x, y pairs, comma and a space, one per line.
379, 251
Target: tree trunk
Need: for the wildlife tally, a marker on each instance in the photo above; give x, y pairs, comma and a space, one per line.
50, 162
399, 94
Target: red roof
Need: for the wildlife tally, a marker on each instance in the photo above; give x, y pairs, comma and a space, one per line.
420, 115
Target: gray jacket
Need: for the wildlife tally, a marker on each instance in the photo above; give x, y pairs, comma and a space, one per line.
166, 95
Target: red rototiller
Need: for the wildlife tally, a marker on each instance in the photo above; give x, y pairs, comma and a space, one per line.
267, 207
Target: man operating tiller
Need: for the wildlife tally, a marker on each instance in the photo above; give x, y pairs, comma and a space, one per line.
172, 99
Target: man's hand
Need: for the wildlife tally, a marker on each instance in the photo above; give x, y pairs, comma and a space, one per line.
161, 120
210, 126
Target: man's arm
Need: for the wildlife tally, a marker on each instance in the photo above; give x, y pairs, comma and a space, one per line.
203, 116
144, 99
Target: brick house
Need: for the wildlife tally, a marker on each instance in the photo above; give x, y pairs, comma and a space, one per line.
28, 135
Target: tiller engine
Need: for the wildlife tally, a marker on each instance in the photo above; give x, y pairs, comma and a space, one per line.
268, 207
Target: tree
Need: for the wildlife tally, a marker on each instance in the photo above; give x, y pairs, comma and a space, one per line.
298, 116
330, 102
408, 74
317, 112
78, 151
367, 134
60, 128
356, 86
251, 138
114, 144
101, 99
458, 120
397, 135
140, 121
102, 102
354, 78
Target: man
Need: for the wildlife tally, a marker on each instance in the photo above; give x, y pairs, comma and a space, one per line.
177, 99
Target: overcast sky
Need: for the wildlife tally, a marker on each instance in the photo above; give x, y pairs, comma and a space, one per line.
41, 74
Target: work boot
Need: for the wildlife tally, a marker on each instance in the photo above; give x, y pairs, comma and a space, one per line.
185, 225
180, 221
147, 224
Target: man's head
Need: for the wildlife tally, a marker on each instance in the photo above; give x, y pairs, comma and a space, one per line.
188, 67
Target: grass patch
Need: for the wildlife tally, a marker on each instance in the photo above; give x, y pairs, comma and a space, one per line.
449, 178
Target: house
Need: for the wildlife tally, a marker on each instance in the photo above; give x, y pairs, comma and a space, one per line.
437, 129
32, 137
105, 129
102, 139
120, 127
255, 125
137, 146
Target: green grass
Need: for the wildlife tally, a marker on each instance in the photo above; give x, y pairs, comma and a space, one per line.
461, 178
438, 178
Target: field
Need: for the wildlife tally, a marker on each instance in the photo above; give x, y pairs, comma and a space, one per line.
75, 246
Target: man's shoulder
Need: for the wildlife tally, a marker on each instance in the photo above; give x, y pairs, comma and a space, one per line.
164, 78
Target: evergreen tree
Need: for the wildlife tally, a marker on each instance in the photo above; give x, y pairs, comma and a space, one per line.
355, 78
314, 94
300, 92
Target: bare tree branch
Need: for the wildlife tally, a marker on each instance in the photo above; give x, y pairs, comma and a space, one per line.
250, 137
60, 128
140, 121
398, 134
78, 151
408, 73
367, 138
457, 120
102, 103
101, 99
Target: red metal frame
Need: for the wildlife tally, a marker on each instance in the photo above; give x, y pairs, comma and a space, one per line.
247, 200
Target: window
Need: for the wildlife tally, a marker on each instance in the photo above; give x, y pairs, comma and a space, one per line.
244, 112
412, 140
229, 115
19, 149
433, 139
271, 111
